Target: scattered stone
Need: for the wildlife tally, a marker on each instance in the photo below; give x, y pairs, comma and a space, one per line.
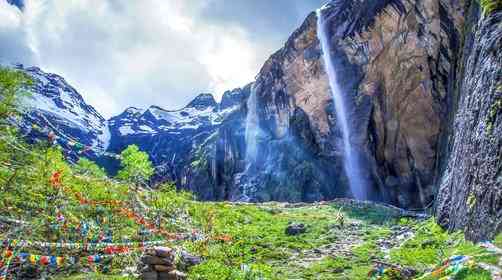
188, 260
295, 229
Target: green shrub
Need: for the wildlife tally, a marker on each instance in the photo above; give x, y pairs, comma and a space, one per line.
136, 166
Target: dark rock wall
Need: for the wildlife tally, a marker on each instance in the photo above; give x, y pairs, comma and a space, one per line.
470, 195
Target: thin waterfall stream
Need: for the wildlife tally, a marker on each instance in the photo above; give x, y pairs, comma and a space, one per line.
351, 162
252, 128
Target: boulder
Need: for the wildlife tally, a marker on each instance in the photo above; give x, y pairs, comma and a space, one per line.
153, 260
295, 229
164, 252
188, 260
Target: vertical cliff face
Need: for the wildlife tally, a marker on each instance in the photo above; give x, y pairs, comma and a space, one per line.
403, 52
394, 61
470, 196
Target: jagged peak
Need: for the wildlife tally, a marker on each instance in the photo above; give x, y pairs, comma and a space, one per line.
134, 110
202, 101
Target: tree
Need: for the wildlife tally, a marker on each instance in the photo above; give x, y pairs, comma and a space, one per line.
87, 167
11, 83
136, 166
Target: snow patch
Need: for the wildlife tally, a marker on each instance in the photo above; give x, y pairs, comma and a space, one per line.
146, 128
126, 130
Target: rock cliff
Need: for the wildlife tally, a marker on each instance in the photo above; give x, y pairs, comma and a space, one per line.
470, 195
393, 61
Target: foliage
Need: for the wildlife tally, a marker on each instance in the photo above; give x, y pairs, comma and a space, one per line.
490, 6
498, 240
473, 274
87, 167
259, 243
431, 245
136, 166
11, 83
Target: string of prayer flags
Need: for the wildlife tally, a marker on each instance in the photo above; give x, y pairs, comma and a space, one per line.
103, 246
58, 261
56, 179
80, 148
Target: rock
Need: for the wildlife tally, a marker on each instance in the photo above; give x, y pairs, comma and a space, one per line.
173, 275
145, 268
153, 260
295, 229
188, 260
164, 252
163, 268
152, 275
470, 195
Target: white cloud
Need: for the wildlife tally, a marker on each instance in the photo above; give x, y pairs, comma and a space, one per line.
14, 40
146, 52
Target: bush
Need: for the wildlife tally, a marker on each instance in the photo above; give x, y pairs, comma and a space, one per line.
136, 166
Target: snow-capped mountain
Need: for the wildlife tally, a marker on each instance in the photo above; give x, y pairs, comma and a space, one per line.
168, 136
202, 112
54, 105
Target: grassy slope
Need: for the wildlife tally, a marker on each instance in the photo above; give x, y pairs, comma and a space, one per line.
260, 243
342, 240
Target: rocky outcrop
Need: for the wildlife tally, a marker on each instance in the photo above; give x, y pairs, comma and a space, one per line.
470, 195
393, 61
158, 263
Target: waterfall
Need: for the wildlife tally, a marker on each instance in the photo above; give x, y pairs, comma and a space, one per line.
252, 128
351, 162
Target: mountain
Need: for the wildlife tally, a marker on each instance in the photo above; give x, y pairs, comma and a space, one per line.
168, 136
421, 86
55, 105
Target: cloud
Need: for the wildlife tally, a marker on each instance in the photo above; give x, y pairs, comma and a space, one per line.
14, 46
139, 53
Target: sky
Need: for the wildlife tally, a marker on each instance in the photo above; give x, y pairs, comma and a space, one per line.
120, 53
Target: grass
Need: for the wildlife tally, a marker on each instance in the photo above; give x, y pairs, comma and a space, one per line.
260, 247
255, 245
498, 240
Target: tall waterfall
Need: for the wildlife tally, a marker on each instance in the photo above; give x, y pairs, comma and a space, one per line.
252, 128
351, 161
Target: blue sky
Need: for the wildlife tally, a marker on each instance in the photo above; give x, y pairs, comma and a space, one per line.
121, 53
